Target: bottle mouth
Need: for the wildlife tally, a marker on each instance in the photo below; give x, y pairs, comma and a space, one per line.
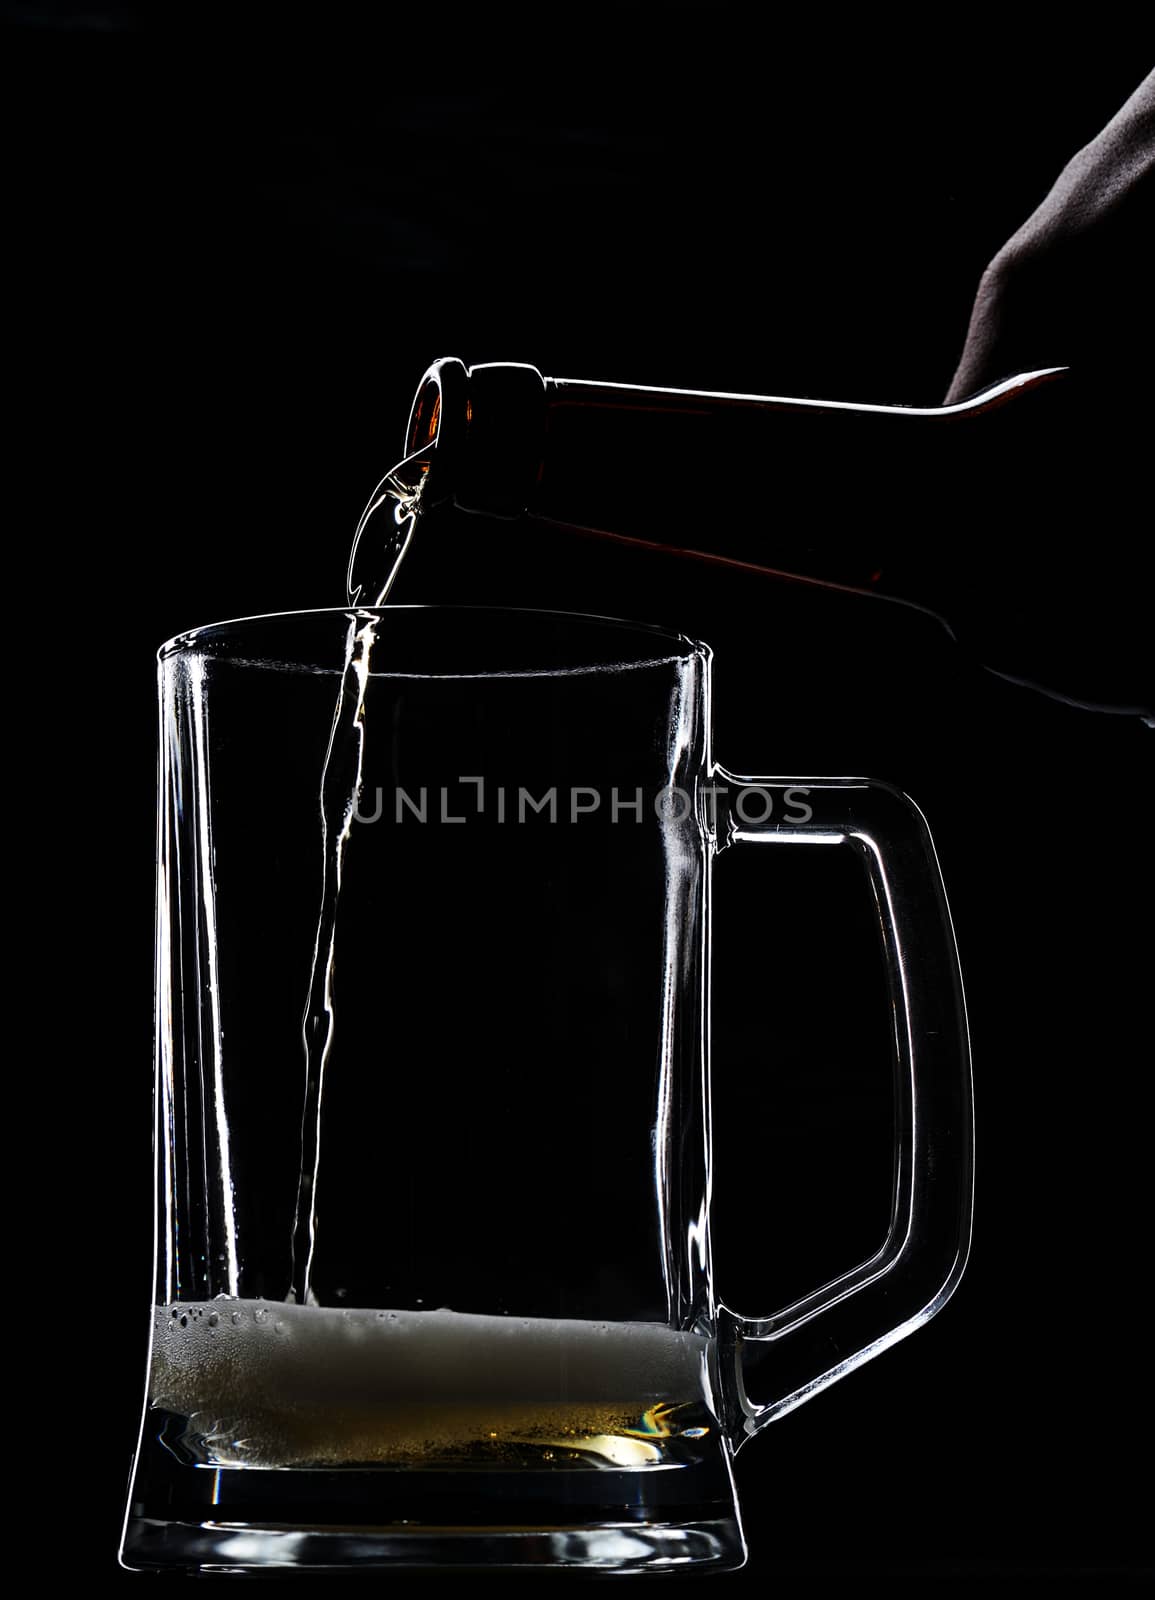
480, 432
424, 418
437, 425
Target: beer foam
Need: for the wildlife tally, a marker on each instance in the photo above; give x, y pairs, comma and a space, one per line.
262, 1348
274, 1384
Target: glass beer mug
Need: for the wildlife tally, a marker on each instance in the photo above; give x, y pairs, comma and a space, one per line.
433, 1279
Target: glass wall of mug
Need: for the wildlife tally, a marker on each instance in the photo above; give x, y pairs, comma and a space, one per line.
433, 1281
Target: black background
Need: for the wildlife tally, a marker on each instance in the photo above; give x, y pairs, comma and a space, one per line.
238, 255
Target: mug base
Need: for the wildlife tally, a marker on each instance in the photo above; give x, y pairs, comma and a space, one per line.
195, 1517
279, 1549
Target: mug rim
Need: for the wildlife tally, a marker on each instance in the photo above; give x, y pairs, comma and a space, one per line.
192, 639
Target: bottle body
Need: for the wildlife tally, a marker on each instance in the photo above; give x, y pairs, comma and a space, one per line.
951, 509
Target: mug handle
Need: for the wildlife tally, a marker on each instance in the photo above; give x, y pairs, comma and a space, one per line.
820, 1338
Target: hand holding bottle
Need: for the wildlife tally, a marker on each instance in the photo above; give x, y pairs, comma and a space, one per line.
1007, 512
1073, 284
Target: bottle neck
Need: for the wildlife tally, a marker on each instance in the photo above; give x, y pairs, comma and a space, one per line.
854, 495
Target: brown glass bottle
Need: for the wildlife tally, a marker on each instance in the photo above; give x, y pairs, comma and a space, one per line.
948, 508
